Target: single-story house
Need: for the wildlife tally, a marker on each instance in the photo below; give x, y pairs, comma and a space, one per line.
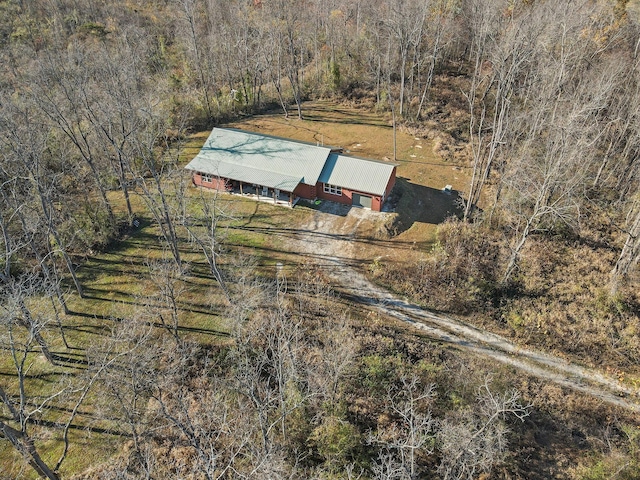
286, 170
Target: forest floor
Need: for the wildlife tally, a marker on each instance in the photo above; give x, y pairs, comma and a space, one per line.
331, 240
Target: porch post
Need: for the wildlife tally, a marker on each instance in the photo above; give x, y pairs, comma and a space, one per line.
240, 188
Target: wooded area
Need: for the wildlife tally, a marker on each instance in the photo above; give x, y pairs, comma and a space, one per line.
539, 100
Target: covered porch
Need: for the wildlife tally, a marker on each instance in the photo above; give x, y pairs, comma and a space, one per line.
262, 193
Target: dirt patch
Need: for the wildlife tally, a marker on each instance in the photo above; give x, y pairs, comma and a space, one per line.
336, 229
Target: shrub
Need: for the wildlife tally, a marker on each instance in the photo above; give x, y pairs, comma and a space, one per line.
458, 276
336, 441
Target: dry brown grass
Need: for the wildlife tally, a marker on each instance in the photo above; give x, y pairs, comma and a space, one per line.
566, 306
458, 275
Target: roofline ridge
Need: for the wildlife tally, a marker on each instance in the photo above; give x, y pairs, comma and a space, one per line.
374, 160
275, 137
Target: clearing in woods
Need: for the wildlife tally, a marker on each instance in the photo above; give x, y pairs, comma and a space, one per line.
422, 173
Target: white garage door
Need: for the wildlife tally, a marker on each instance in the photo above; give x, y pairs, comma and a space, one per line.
359, 200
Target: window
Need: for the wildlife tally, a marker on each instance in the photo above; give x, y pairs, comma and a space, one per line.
332, 189
206, 177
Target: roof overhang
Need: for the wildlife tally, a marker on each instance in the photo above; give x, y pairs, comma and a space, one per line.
249, 175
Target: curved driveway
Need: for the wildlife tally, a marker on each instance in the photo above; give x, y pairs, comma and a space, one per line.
328, 238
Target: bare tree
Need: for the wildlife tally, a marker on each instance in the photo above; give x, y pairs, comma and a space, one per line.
554, 143
61, 90
127, 365
169, 284
198, 409
497, 83
274, 59
411, 433
205, 232
190, 15
25, 150
336, 357
241, 55
621, 137
21, 337
152, 171
405, 22
387, 467
630, 253
120, 94
286, 22
474, 441
438, 22
271, 350
21, 238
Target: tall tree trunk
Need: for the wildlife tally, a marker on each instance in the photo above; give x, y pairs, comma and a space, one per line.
630, 253
47, 212
25, 446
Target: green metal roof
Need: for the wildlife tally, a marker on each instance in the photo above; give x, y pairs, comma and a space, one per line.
367, 176
264, 160
283, 164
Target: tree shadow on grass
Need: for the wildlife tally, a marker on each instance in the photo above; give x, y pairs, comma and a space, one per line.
70, 359
44, 377
333, 114
90, 428
327, 114
103, 330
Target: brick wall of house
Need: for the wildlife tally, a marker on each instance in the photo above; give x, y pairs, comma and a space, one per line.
392, 182
347, 197
305, 191
309, 192
344, 198
221, 184
376, 203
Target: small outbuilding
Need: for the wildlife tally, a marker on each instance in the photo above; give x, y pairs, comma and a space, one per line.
282, 170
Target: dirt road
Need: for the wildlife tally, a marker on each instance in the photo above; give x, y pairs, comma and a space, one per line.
329, 239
